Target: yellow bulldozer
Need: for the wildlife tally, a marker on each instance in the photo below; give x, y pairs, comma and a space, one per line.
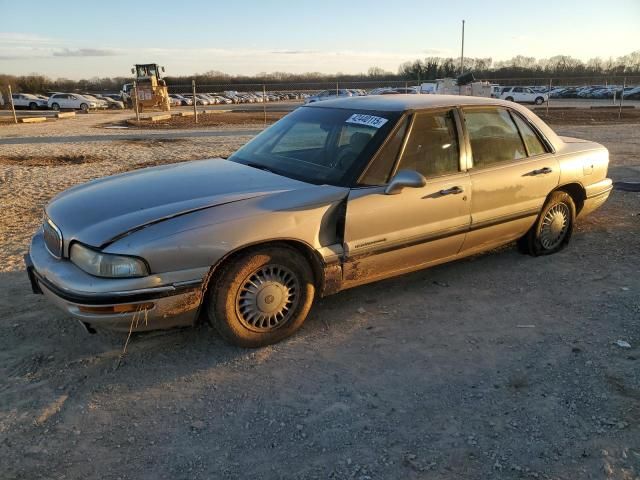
151, 89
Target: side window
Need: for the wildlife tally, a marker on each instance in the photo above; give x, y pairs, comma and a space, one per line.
380, 169
517, 90
432, 147
493, 136
531, 140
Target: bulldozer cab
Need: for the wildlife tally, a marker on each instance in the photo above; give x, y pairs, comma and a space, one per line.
147, 71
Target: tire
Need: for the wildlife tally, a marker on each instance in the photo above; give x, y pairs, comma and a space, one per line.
539, 101
509, 99
84, 107
55, 107
246, 286
553, 228
33, 106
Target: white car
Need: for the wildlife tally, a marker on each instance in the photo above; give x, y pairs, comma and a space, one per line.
523, 95
98, 101
26, 100
73, 101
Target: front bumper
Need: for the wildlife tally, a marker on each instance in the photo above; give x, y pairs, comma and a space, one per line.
167, 301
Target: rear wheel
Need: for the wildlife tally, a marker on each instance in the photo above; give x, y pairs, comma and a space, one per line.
261, 296
55, 106
509, 99
33, 106
539, 101
552, 231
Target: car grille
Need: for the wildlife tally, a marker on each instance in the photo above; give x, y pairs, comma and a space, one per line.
52, 238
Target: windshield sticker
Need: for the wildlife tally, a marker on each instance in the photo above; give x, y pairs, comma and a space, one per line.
368, 120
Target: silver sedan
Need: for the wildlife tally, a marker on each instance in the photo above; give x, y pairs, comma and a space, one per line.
336, 194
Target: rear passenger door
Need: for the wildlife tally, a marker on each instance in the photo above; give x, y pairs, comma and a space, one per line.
512, 170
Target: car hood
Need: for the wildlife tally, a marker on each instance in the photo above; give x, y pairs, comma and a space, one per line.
98, 212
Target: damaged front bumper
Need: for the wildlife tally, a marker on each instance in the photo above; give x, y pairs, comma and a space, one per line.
156, 302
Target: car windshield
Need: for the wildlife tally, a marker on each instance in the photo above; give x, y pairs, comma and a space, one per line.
319, 145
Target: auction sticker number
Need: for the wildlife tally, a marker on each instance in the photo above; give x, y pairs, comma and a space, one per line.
368, 120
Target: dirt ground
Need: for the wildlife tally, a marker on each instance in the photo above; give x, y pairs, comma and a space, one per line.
214, 118
498, 366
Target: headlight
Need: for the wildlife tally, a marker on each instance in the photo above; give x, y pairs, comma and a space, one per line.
107, 265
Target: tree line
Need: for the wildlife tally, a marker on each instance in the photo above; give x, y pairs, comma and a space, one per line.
430, 68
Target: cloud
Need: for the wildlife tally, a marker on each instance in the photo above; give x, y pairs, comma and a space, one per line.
294, 52
26, 39
85, 52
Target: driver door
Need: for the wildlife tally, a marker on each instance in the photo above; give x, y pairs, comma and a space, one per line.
390, 234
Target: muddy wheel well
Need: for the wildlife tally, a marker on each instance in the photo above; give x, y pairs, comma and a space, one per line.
305, 250
577, 194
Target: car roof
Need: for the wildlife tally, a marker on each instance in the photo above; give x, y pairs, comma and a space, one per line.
402, 102
405, 102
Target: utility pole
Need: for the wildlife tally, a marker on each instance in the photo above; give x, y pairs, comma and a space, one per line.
462, 52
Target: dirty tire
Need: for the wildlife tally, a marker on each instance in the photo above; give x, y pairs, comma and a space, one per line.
55, 106
509, 99
84, 107
273, 282
539, 101
553, 228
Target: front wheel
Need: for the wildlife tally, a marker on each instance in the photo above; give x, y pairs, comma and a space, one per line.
84, 107
553, 228
261, 296
539, 101
33, 106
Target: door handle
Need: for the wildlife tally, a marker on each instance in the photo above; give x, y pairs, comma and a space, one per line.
451, 191
542, 171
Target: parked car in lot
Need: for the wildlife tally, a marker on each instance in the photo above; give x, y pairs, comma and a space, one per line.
59, 101
27, 100
328, 95
184, 101
336, 194
523, 95
111, 102
100, 103
197, 99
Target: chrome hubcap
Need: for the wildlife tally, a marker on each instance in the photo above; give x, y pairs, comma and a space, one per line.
267, 298
555, 225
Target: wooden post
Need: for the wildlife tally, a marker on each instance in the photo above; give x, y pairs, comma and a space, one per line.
135, 101
548, 97
264, 104
195, 101
13, 108
624, 85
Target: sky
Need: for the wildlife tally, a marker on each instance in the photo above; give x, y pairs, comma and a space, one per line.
85, 39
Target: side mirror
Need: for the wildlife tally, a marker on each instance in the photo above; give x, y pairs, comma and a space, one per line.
405, 179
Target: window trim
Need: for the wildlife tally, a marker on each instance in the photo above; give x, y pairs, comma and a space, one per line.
384, 144
545, 143
511, 111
